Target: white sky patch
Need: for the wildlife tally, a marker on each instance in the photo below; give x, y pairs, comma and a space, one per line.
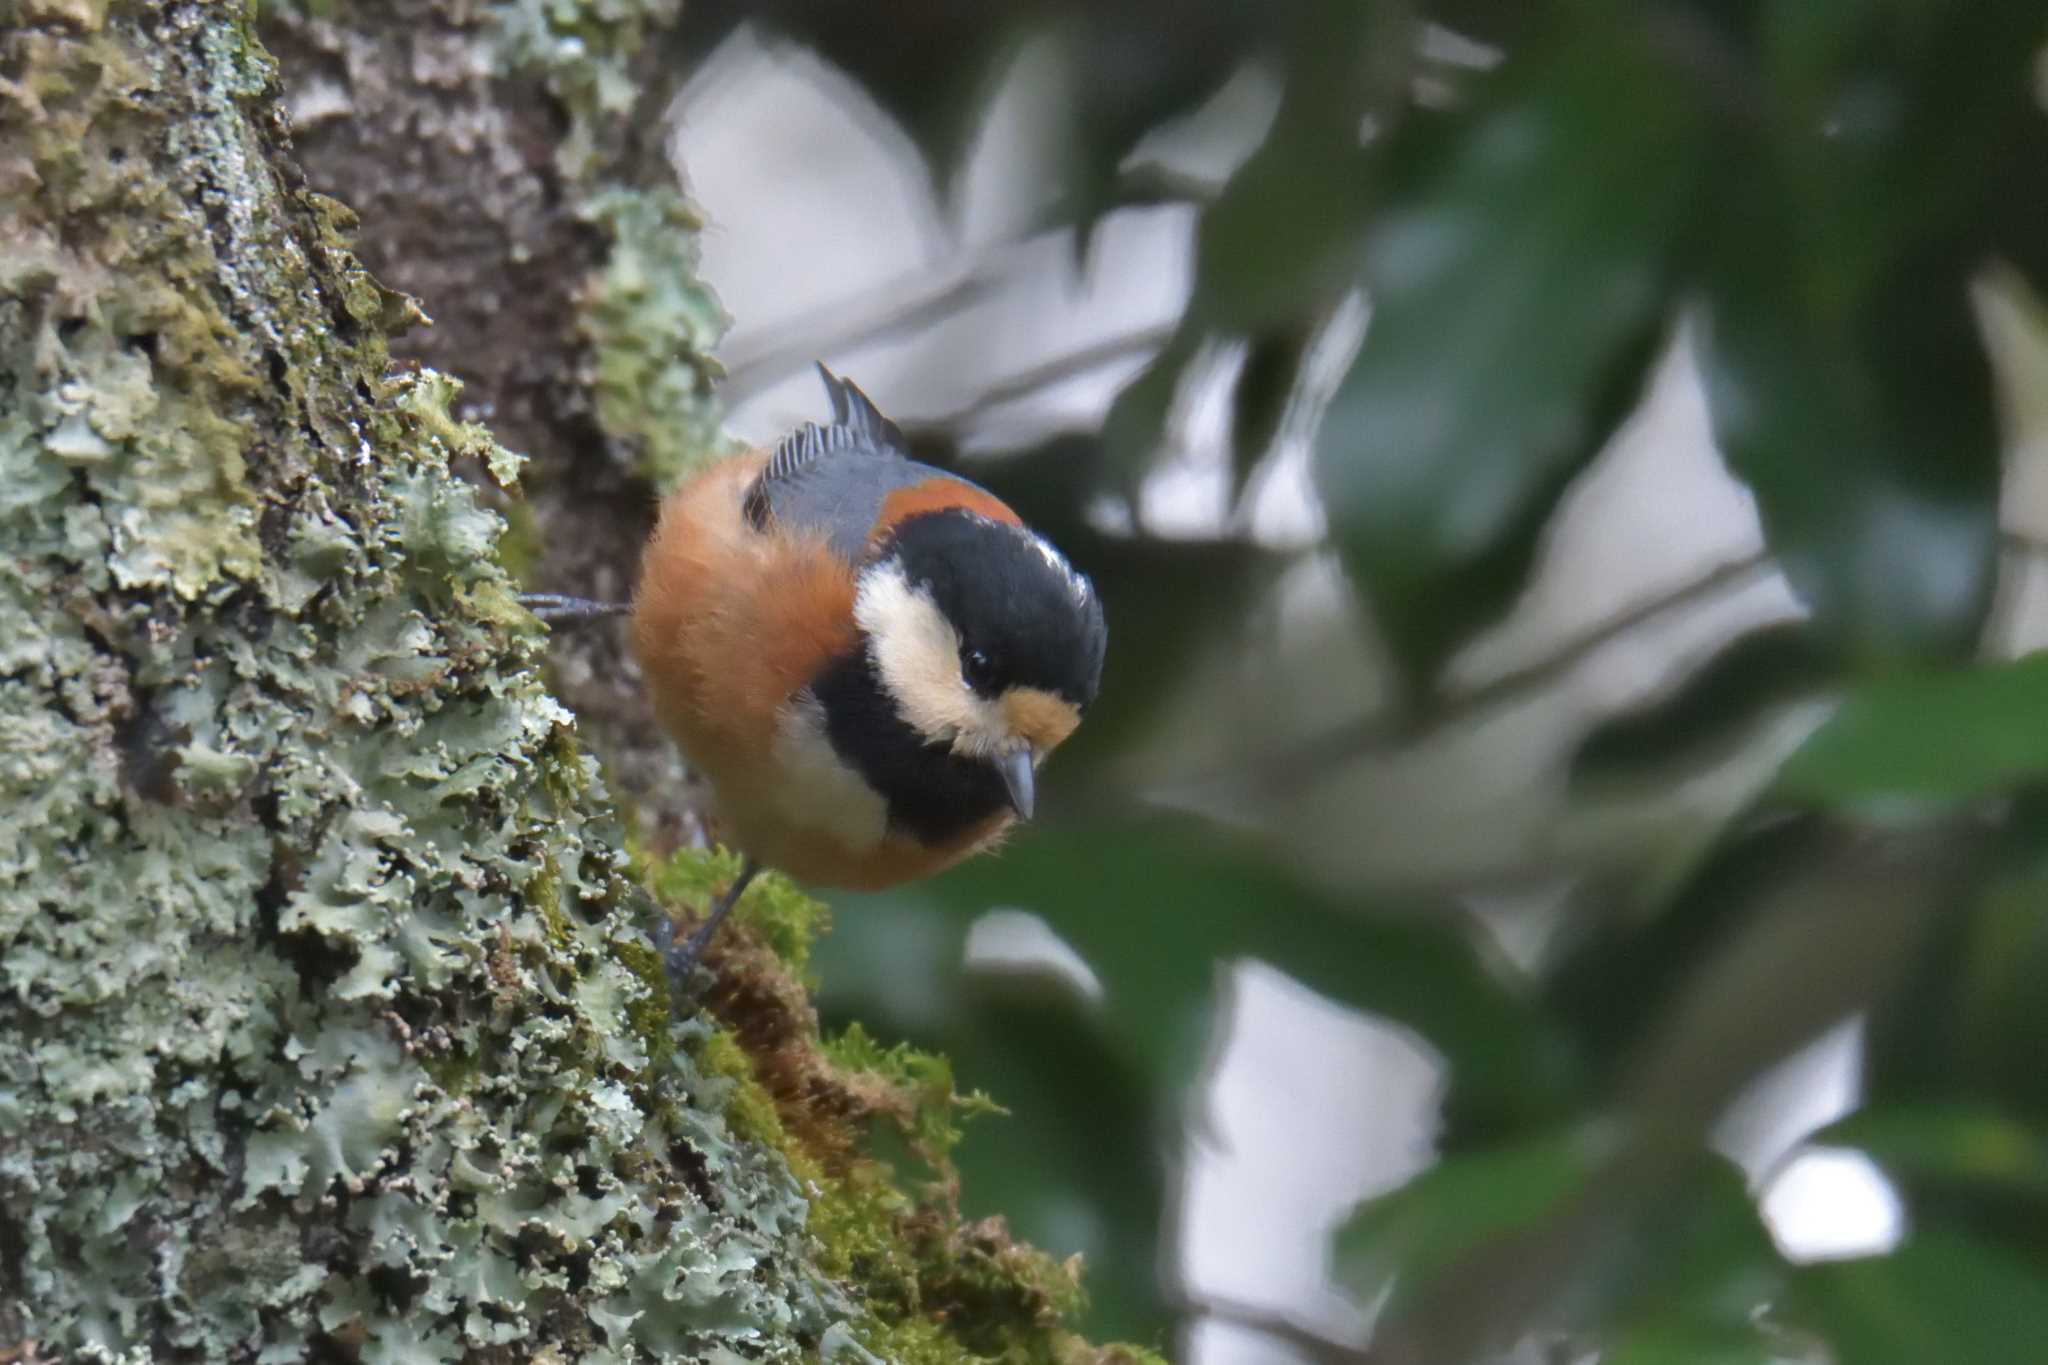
1833, 1204
1006, 939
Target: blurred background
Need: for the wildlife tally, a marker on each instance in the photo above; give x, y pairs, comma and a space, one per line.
1558, 871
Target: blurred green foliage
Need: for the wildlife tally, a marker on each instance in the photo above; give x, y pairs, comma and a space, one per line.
1815, 198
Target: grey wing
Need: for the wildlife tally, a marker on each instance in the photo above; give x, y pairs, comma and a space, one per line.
833, 478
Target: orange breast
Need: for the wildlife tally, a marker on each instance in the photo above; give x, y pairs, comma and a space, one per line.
729, 623
892, 862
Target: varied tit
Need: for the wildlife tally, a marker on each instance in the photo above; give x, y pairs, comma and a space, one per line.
867, 657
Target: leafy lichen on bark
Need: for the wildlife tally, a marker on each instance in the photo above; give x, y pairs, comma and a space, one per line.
510, 163
586, 52
332, 1022
648, 321
651, 326
318, 965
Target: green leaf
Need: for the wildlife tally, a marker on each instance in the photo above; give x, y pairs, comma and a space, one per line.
1265, 392
1285, 238
1928, 737
1950, 1142
1572, 1234
1967, 1028
1789, 928
1717, 707
1427, 1225
1698, 1252
1896, 125
1130, 68
1518, 271
1134, 66
1684, 1343
1615, 968
2025, 206
2001, 1033
1956, 1100
1845, 372
1941, 1297
1874, 464
1155, 904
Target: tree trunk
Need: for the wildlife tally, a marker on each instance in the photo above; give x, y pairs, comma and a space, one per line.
510, 163
331, 1027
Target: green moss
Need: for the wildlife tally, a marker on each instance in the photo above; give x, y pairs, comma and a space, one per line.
933, 1290
774, 909
456, 1073
648, 321
650, 1013
748, 1108
519, 548
544, 893
936, 1110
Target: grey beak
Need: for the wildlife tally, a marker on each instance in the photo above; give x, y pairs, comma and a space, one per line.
1019, 781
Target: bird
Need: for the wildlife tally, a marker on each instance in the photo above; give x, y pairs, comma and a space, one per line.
866, 656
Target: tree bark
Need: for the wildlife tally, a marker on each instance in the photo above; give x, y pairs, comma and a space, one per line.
331, 1027
510, 164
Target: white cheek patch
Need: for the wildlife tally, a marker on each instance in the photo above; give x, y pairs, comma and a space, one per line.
918, 654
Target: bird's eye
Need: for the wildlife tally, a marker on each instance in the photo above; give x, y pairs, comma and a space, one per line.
977, 668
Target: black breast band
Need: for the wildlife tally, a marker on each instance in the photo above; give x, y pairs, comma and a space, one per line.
933, 795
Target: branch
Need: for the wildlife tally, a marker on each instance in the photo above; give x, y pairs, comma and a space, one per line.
902, 305
1057, 370
1367, 736
911, 302
1314, 758
1279, 1325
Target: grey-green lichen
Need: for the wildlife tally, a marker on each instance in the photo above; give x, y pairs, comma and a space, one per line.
647, 321
651, 324
318, 976
583, 50
331, 1025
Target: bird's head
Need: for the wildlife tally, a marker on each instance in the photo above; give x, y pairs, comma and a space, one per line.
986, 639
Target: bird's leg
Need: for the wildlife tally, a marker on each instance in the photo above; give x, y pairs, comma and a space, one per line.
681, 961
553, 606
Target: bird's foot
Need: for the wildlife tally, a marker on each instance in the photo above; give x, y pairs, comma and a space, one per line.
681, 958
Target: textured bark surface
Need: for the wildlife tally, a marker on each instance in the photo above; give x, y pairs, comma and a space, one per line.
509, 163
331, 1026
330, 1020
401, 111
